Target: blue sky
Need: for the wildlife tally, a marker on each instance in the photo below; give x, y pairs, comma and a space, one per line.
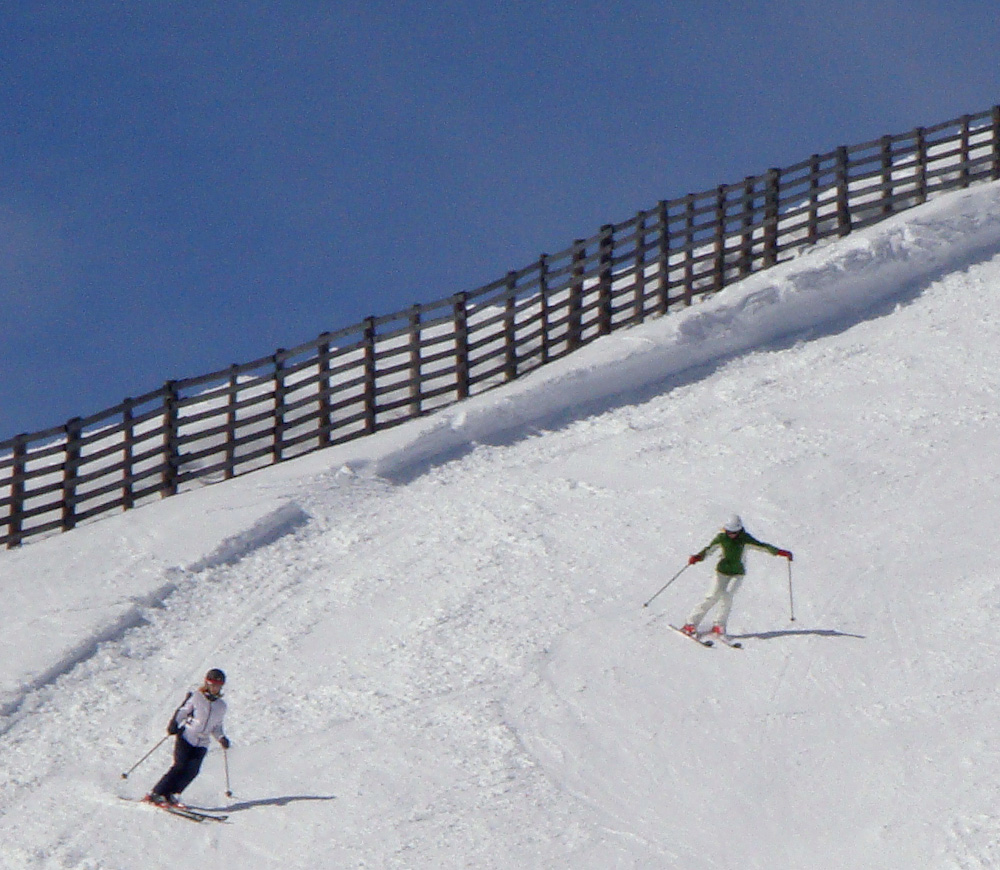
185, 185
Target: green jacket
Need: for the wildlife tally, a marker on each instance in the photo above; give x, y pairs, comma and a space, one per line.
731, 563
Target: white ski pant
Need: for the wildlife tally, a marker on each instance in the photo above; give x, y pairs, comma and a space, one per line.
721, 593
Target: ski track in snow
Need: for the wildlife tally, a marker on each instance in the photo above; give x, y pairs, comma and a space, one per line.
446, 663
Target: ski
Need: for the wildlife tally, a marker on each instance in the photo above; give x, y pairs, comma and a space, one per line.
727, 641
193, 815
182, 811
696, 638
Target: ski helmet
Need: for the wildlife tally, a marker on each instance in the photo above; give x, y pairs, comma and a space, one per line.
734, 524
215, 676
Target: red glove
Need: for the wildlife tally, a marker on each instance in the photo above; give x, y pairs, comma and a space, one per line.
695, 559
786, 553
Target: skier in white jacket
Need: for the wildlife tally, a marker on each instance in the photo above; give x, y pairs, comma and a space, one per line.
194, 722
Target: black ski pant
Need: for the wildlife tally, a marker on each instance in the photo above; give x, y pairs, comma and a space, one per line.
187, 763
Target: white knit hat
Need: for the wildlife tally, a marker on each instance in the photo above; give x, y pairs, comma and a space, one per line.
733, 524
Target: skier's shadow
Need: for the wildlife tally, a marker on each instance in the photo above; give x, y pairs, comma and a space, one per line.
269, 802
798, 632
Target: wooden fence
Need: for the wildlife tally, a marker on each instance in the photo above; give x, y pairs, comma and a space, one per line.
390, 369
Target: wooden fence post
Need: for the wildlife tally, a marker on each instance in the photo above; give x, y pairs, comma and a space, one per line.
772, 180
171, 441
416, 376
921, 165
963, 158
510, 329
277, 445
749, 217
995, 174
888, 192
606, 250
461, 317
128, 455
71, 470
232, 401
370, 396
639, 265
689, 249
323, 370
843, 193
574, 326
543, 300
17, 476
719, 265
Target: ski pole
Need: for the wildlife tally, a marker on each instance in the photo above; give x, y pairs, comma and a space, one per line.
225, 761
141, 760
791, 598
665, 585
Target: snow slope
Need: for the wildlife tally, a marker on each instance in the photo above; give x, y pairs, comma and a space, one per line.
437, 649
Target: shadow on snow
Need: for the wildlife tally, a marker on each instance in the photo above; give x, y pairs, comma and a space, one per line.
797, 632
266, 802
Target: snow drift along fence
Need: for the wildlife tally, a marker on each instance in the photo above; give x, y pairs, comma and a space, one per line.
390, 369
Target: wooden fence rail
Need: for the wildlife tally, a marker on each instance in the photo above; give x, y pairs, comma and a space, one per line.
386, 370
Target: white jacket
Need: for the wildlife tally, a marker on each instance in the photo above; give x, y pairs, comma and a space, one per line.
201, 719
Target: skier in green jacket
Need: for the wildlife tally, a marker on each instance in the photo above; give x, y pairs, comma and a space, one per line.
732, 540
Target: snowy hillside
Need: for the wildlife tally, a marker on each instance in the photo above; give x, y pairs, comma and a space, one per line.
436, 646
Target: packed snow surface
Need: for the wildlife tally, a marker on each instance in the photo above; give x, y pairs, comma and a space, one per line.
437, 651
